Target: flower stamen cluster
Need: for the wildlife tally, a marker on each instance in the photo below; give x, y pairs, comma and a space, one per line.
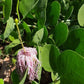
28, 60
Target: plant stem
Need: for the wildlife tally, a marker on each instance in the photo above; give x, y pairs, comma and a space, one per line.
17, 10
16, 21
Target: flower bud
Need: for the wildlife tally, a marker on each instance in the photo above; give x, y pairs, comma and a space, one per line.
16, 20
28, 60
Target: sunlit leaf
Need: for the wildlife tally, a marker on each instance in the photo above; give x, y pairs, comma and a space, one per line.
1, 81
38, 36
26, 5
9, 27
81, 16
48, 55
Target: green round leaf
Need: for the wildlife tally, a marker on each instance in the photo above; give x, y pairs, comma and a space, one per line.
54, 12
71, 67
48, 55
60, 34
75, 41
81, 16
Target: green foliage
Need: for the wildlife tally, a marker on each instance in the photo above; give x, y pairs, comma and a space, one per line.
27, 30
15, 77
48, 55
25, 6
41, 14
81, 16
1, 52
1, 81
34, 82
1, 2
77, 36
54, 12
71, 67
54, 28
9, 27
45, 36
54, 76
13, 61
60, 33
24, 78
11, 38
26, 27
11, 45
7, 7
69, 12
38, 36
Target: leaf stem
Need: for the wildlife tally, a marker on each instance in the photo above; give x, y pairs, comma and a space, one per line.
16, 21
